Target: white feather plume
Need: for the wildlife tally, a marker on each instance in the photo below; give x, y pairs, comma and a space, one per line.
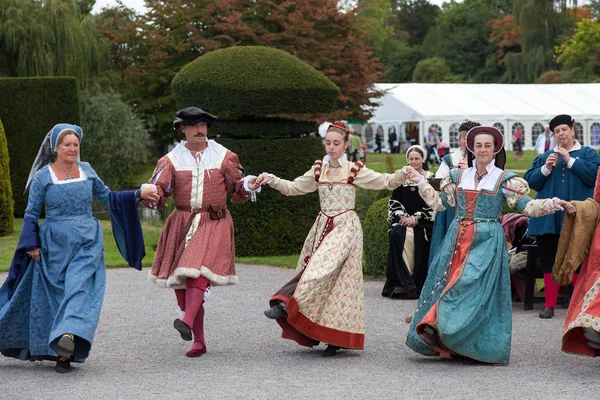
323, 129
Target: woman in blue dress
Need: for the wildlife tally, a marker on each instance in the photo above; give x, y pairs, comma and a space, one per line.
465, 307
50, 303
443, 219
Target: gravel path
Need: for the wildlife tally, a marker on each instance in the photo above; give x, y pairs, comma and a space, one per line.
138, 355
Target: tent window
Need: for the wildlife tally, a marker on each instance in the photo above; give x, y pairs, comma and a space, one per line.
578, 128
595, 134
499, 126
438, 130
536, 130
454, 142
369, 136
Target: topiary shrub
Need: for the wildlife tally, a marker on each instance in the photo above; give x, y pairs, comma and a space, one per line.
275, 224
6, 198
255, 81
376, 241
262, 128
29, 108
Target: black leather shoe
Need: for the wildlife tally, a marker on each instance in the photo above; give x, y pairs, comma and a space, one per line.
277, 311
63, 365
184, 330
547, 313
66, 346
330, 350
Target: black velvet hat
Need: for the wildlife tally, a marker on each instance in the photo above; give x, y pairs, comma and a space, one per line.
560, 120
191, 116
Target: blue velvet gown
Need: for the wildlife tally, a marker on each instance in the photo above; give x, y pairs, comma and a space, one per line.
471, 308
63, 293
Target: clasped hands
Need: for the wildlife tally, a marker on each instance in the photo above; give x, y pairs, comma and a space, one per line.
261, 180
412, 174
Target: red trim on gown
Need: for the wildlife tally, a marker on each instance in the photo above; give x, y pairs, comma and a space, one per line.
465, 238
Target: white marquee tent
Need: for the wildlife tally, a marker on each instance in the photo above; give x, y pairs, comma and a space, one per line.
410, 109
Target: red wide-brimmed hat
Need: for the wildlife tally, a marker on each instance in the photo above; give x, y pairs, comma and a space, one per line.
485, 129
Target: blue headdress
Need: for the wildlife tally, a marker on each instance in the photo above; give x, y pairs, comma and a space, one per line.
47, 150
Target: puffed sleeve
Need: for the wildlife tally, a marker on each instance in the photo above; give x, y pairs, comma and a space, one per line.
235, 178
301, 185
516, 191
368, 179
442, 200
163, 178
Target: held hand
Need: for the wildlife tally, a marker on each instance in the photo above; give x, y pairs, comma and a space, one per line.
551, 161
262, 180
559, 204
35, 254
462, 164
252, 185
570, 207
412, 174
564, 154
150, 194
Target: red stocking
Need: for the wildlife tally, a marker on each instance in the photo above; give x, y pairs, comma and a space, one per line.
551, 289
199, 345
574, 281
194, 297
180, 294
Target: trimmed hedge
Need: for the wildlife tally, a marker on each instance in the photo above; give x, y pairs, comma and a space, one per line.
376, 240
6, 200
253, 80
275, 224
262, 128
29, 108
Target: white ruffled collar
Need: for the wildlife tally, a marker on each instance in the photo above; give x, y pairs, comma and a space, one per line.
489, 168
342, 160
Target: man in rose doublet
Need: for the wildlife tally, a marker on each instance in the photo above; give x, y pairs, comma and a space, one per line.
196, 246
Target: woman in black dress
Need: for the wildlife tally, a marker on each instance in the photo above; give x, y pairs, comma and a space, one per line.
411, 222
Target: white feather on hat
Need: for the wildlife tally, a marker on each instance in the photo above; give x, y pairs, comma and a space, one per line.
323, 129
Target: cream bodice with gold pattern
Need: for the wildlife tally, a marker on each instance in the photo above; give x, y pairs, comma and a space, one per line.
336, 198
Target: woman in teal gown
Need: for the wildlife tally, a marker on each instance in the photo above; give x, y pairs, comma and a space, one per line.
50, 304
465, 307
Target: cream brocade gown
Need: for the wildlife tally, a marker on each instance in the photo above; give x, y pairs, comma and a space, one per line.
327, 303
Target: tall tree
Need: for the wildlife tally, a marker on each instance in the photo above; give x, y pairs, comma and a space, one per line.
461, 37
49, 38
541, 23
580, 53
415, 17
373, 17
173, 33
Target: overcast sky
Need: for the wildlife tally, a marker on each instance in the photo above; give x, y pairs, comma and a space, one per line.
138, 5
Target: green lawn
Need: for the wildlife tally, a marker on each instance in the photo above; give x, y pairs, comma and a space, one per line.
377, 162
111, 253
113, 257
